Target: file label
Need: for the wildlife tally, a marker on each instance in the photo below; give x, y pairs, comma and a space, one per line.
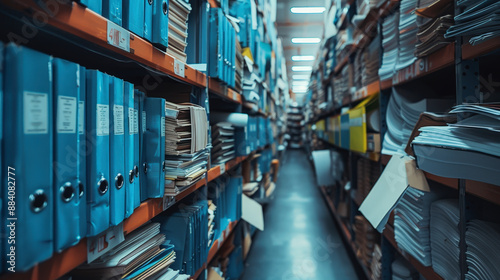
104, 242
81, 117
66, 114
119, 121
36, 113
102, 124
118, 36
179, 68
131, 123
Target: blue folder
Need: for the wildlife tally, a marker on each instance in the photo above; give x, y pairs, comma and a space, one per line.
28, 149
116, 152
82, 163
130, 147
137, 148
66, 182
112, 10
97, 129
160, 23
154, 140
94, 5
148, 19
142, 115
133, 16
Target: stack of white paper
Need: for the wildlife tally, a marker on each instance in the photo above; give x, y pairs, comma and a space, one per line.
445, 216
211, 222
407, 34
185, 170
178, 13
222, 142
250, 82
411, 224
483, 244
390, 44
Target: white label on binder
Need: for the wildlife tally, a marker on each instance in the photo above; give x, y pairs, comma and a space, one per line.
222, 168
118, 36
162, 126
143, 121
81, 117
104, 242
131, 121
179, 68
136, 121
119, 122
66, 114
36, 113
102, 124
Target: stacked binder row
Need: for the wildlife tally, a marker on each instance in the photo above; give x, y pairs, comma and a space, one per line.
483, 243
477, 21
144, 254
468, 149
187, 231
186, 143
246, 137
370, 62
431, 32
407, 34
390, 45
222, 142
178, 13
412, 224
222, 48
84, 127
445, 216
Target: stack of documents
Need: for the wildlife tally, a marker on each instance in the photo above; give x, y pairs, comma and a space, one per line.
431, 34
212, 208
358, 70
365, 240
390, 44
187, 231
479, 21
445, 252
411, 224
468, 149
222, 142
185, 170
226, 195
178, 13
402, 270
238, 79
376, 265
251, 82
144, 254
368, 174
407, 34
370, 62
483, 244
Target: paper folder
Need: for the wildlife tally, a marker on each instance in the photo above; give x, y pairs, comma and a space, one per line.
97, 130
112, 10
138, 149
130, 149
133, 16
94, 5
142, 116
148, 19
154, 139
117, 173
82, 166
66, 135
28, 151
160, 23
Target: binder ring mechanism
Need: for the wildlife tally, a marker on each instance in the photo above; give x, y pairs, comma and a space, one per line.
67, 192
102, 185
38, 201
131, 176
150, 2
119, 181
136, 171
164, 7
81, 188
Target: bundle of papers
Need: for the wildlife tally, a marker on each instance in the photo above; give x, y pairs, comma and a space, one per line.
468, 149
239, 68
431, 34
144, 254
376, 265
390, 44
479, 20
366, 238
445, 216
251, 81
402, 270
370, 62
222, 142
407, 34
411, 224
178, 13
185, 170
211, 222
483, 244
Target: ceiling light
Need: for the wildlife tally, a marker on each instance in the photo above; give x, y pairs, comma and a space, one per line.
300, 83
295, 88
307, 10
301, 77
303, 58
301, 68
300, 91
306, 40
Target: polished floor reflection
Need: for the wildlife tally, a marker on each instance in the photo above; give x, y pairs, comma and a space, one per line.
300, 240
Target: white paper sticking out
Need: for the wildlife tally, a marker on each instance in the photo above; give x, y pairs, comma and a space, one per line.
251, 211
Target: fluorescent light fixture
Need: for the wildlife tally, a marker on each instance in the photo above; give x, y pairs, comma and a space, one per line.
300, 83
307, 10
306, 40
301, 77
301, 88
301, 68
300, 91
303, 58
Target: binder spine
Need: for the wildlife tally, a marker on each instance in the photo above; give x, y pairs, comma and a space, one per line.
82, 151
160, 23
130, 147
133, 16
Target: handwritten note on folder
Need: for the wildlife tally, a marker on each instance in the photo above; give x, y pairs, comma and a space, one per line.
389, 188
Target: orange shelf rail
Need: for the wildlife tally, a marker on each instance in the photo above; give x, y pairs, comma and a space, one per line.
216, 87
469, 51
216, 171
77, 20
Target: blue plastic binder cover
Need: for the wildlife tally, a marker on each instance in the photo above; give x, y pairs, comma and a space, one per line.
116, 152
138, 182
148, 19
234, 197
97, 130
160, 23
133, 16
141, 115
27, 154
66, 182
198, 33
178, 229
215, 60
241, 10
345, 135
82, 150
130, 147
112, 10
94, 5
154, 139
240, 140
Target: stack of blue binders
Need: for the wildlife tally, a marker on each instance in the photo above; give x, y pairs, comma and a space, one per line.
222, 54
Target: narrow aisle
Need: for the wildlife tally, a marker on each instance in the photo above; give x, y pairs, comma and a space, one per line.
300, 240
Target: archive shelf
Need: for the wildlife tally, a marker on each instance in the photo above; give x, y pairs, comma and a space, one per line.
215, 171
219, 242
373, 156
92, 29
227, 93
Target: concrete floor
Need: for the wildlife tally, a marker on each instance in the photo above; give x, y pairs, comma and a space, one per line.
300, 240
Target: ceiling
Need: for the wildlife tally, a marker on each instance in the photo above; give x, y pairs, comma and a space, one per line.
298, 25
